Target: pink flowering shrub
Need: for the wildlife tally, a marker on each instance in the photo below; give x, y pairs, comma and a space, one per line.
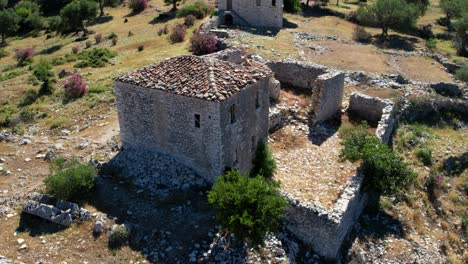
24, 56
138, 5
75, 86
201, 43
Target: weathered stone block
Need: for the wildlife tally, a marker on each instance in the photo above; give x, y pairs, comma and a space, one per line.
48, 212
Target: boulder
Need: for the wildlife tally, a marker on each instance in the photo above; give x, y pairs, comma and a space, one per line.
48, 212
275, 89
4, 260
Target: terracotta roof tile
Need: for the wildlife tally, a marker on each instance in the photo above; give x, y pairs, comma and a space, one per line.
199, 77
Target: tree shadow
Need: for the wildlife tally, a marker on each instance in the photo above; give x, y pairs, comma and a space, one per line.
397, 42
163, 18
50, 50
289, 24
99, 20
456, 165
36, 226
315, 11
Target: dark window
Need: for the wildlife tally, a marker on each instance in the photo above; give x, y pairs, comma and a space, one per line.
236, 158
229, 4
197, 120
233, 113
259, 2
273, 2
257, 100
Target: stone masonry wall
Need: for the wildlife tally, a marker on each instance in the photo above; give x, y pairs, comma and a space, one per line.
325, 230
251, 125
263, 15
297, 73
327, 97
156, 120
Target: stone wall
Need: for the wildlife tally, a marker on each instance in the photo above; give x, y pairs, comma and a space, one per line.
239, 140
164, 122
248, 13
327, 97
325, 84
325, 230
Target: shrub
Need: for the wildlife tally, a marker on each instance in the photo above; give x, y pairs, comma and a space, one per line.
98, 38
88, 44
431, 44
462, 74
24, 56
264, 162
247, 207
43, 72
385, 172
189, 20
118, 237
424, 154
292, 6
141, 48
178, 33
115, 39
361, 35
29, 98
197, 9
70, 181
76, 49
97, 89
75, 86
130, 33
163, 31
112, 3
6, 114
201, 43
138, 5
354, 138
95, 58
4, 53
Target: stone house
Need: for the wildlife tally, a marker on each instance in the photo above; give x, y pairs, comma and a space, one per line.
255, 13
206, 113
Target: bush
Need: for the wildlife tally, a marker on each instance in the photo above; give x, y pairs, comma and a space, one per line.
88, 44
112, 3
98, 38
70, 181
247, 207
264, 162
141, 48
29, 98
75, 86
424, 155
198, 10
6, 114
201, 43
76, 49
130, 33
178, 33
292, 6
115, 39
431, 44
43, 72
462, 74
361, 35
189, 20
138, 5
24, 56
385, 172
4, 53
119, 237
163, 31
95, 58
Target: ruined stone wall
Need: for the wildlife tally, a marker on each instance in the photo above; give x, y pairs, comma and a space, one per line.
263, 15
298, 74
327, 97
164, 122
250, 122
325, 230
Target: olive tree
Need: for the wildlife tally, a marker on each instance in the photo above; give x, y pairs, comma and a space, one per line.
76, 13
389, 14
9, 21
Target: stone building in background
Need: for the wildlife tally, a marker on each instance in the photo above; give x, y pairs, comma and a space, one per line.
205, 113
254, 13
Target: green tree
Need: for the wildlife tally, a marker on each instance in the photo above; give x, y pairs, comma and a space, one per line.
247, 207
454, 8
8, 22
43, 72
264, 162
3, 4
76, 13
421, 4
292, 6
395, 14
461, 40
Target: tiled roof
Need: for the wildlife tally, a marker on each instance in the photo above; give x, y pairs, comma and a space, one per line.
199, 77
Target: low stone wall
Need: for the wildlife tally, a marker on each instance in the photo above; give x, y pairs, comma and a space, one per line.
325, 230
298, 74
